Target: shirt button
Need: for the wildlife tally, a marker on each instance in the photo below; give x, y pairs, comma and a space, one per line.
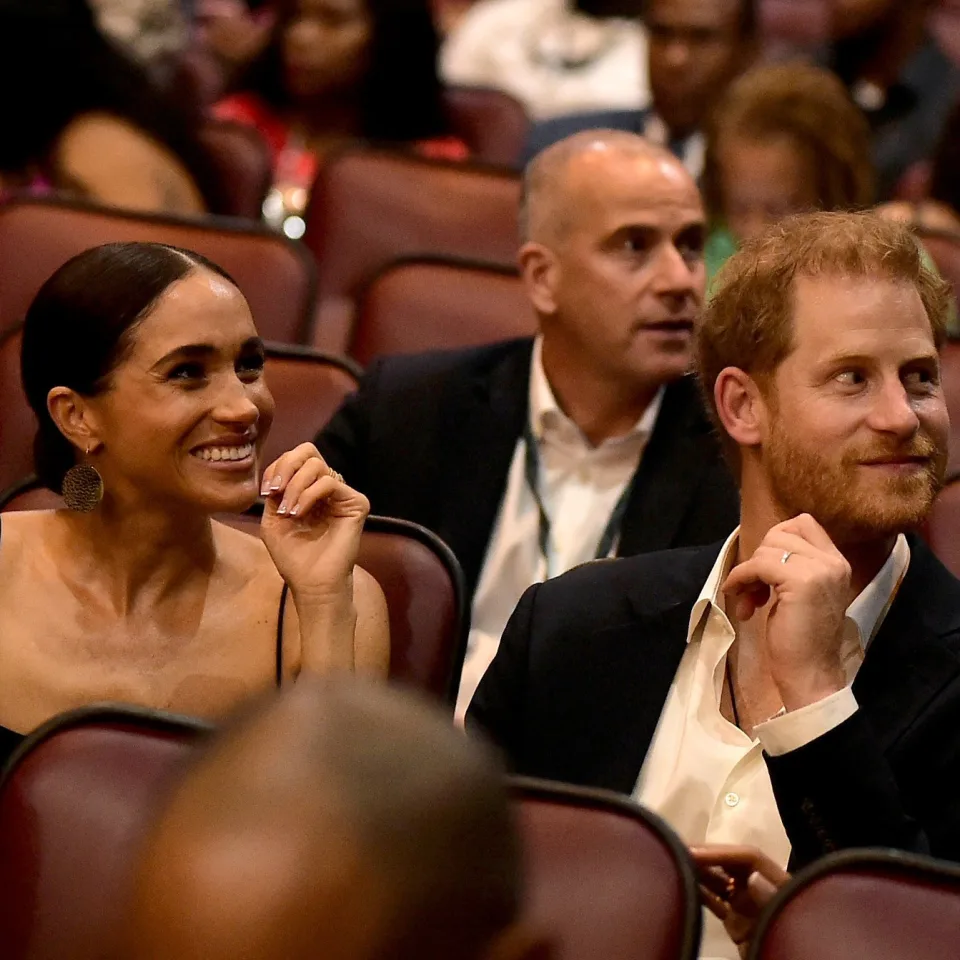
731, 799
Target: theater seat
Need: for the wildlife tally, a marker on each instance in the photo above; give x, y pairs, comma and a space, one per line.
950, 378
38, 236
942, 528
74, 805
493, 124
864, 905
18, 425
606, 879
243, 164
370, 207
438, 303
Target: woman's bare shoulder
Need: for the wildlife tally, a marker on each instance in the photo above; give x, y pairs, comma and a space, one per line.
244, 553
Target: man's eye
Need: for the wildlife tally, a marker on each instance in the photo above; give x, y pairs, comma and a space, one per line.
850, 378
920, 378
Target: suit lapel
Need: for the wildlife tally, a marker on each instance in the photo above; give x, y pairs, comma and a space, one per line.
669, 474
909, 661
484, 416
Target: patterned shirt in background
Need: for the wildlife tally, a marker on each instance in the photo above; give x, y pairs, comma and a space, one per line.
152, 31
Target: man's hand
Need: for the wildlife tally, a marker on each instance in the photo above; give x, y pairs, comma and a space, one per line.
809, 580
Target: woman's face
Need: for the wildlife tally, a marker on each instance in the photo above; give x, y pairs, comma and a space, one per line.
763, 181
186, 413
325, 46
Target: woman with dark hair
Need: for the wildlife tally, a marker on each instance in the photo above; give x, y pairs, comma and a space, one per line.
145, 371
336, 71
81, 118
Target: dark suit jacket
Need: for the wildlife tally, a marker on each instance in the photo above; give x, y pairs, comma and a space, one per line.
430, 438
548, 132
585, 664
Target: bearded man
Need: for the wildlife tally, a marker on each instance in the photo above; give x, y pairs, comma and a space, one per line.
796, 688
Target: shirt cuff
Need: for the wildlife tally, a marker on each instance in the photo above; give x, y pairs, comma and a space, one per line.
790, 731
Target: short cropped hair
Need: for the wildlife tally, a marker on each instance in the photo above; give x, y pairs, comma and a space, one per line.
748, 321
809, 107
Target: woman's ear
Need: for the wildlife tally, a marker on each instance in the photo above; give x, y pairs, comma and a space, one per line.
74, 417
740, 406
538, 270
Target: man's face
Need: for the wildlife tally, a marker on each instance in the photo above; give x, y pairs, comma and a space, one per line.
696, 48
857, 429
629, 276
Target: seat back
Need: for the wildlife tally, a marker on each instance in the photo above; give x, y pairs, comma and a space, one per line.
39, 236
369, 207
18, 425
492, 123
950, 380
308, 387
604, 877
942, 527
864, 905
243, 164
75, 803
437, 303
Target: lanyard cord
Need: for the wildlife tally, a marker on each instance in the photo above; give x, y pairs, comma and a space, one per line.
611, 531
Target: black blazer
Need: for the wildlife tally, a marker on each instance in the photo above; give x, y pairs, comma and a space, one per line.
430, 438
586, 661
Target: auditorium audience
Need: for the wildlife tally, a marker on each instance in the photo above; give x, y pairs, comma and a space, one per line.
553, 56
337, 820
784, 139
336, 71
144, 369
154, 32
531, 456
81, 118
696, 48
795, 689
898, 75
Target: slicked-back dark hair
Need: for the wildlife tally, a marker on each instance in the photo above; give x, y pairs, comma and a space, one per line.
80, 326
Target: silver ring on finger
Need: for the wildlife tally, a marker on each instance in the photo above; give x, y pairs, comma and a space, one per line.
787, 554
337, 476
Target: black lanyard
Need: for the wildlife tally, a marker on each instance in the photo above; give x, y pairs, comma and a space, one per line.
532, 473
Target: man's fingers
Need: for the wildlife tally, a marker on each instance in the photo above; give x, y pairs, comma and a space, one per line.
803, 525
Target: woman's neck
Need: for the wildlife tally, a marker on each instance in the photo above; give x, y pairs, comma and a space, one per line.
139, 555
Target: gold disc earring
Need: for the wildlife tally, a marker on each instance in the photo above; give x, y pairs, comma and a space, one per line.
82, 487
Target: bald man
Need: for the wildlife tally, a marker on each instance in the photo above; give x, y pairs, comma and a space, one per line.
532, 456
338, 820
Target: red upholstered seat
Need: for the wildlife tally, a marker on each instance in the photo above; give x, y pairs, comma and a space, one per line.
439, 303
864, 905
950, 378
74, 806
369, 207
18, 425
274, 274
942, 529
493, 124
242, 161
606, 879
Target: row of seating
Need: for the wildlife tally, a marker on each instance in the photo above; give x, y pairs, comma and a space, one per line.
604, 877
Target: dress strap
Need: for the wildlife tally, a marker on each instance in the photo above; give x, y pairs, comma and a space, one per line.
283, 607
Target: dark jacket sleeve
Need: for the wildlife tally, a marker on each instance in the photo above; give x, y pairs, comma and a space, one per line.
345, 441
497, 708
838, 792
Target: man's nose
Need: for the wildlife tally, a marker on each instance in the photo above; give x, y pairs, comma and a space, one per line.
893, 412
676, 54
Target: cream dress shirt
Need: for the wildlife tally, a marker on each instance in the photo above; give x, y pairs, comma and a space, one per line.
579, 484
509, 44
704, 775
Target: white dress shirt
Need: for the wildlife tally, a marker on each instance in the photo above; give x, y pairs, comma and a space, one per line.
519, 46
579, 485
704, 775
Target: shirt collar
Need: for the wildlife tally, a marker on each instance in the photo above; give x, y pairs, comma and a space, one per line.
546, 415
866, 613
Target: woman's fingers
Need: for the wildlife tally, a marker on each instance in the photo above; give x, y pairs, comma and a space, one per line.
285, 467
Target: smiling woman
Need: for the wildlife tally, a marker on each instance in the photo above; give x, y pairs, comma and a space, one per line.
145, 371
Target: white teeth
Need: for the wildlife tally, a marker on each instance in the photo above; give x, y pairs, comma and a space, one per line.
224, 453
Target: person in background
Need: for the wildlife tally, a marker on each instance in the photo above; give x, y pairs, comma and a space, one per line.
589, 440
82, 119
337, 820
696, 48
143, 367
784, 139
153, 32
338, 71
797, 688
898, 75
553, 57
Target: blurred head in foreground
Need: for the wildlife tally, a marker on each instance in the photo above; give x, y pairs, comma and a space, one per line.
337, 820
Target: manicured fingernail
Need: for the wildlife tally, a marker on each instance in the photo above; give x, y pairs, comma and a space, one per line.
295, 510
282, 508
276, 484
264, 488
